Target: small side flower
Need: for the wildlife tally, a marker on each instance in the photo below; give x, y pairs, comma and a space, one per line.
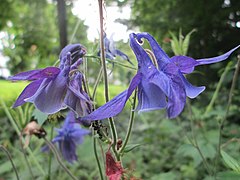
111, 52
69, 136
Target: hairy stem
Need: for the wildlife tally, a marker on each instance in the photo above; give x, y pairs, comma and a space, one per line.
105, 78
10, 158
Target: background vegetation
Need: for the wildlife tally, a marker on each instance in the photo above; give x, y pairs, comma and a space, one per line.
169, 149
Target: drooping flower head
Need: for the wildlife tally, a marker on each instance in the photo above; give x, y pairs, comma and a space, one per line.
77, 51
53, 88
111, 52
159, 87
69, 136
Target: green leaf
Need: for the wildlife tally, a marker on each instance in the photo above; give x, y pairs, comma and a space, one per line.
188, 150
40, 116
5, 167
175, 44
228, 175
230, 161
130, 147
207, 149
185, 43
180, 39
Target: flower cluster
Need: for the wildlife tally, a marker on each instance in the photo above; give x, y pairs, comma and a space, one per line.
159, 86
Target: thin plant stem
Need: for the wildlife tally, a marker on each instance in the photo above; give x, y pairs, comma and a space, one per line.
75, 30
96, 155
55, 152
93, 131
10, 158
221, 123
105, 78
56, 63
230, 141
121, 64
215, 95
113, 61
97, 83
194, 141
21, 118
19, 134
130, 125
102, 152
25, 157
50, 157
86, 77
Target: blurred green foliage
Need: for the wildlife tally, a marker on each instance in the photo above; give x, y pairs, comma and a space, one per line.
214, 21
163, 148
32, 36
9, 91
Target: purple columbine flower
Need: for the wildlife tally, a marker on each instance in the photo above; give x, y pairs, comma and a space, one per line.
111, 52
77, 99
52, 88
69, 136
159, 87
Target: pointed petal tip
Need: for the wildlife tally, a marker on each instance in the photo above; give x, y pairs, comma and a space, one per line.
217, 58
196, 92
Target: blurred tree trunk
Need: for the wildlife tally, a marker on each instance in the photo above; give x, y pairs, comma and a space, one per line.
62, 23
